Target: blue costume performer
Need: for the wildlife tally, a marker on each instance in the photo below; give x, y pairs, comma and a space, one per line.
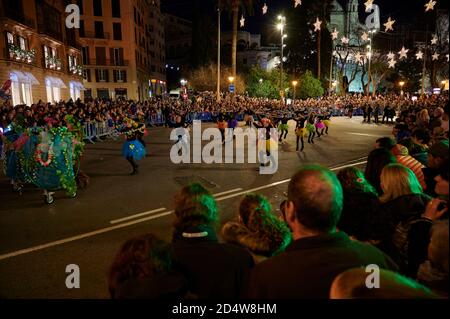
133, 150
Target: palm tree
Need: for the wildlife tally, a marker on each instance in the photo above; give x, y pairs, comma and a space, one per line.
233, 6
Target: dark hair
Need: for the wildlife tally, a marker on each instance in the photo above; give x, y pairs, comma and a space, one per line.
443, 171
317, 197
386, 142
376, 161
139, 257
422, 135
352, 179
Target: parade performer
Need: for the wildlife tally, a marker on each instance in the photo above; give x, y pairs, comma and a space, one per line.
231, 125
319, 125
283, 127
311, 128
222, 125
133, 150
266, 124
327, 122
180, 126
300, 131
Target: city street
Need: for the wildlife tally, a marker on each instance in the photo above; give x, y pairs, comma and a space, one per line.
38, 241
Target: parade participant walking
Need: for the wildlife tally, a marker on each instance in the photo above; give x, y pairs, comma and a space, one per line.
311, 128
133, 150
283, 127
300, 131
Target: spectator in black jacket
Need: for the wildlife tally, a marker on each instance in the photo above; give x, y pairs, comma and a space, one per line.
213, 270
437, 155
318, 253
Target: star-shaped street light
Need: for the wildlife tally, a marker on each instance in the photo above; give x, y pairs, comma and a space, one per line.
264, 9
317, 25
391, 56
403, 53
365, 37
358, 57
434, 40
419, 55
334, 34
345, 40
435, 56
297, 3
369, 5
392, 64
430, 5
388, 25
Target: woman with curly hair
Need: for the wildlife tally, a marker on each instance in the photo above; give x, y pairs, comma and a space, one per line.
143, 268
258, 229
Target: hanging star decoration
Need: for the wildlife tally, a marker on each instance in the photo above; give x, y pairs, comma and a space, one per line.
365, 37
388, 25
242, 21
447, 56
403, 53
334, 34
264, 8
430, 5
419, 55
369, 5
345, 40
358, 57
392, 63
391, 56
297, 3
317, 25
435, 56
434, 41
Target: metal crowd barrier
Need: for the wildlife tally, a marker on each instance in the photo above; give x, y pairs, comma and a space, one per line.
95, 130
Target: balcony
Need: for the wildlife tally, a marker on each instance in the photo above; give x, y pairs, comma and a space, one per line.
19, 17
121, 63
93, 35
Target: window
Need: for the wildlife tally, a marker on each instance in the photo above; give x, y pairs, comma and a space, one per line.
20, 90
22, 43
117, 31
87, 75
116, 56
9, 38
120, 76
115, 5
53, 92
100, 55
81, 31
85, 55
80, 5
98, 8
153, 68
102, 75
98, 25
75, 92
135, 15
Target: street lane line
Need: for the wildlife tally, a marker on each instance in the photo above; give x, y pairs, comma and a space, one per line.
115, 221
137, 221
364, 134
227, 192
82, 236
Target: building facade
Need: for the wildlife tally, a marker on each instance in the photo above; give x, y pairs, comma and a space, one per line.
38, 53
123, 48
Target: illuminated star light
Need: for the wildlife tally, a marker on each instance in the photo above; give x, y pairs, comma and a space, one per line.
403, 53
435, 56
365, 37
242, 21
430, 5
297, 3
392, 64
369, 5
264, 8
317, 25
388, 25
391, 56
334, 34
419, 55
345, 40
358, 57
434, 40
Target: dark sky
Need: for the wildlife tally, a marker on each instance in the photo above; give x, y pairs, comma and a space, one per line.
403, 11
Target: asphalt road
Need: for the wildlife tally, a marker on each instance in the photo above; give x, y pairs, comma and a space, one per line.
38, 241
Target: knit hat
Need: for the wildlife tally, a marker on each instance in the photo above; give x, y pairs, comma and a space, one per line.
400, 150
440, 149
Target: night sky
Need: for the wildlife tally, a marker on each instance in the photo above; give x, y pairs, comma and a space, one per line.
404, 11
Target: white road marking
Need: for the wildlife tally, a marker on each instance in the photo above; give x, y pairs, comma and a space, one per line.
364, 134
115, 221
137, 221
227, 192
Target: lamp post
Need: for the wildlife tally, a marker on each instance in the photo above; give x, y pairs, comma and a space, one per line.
294, 84
369, 57
231, 80
218, 53
401, 83
281, 24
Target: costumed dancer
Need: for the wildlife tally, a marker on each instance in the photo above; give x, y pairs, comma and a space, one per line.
301, 131
232, 124
327, 122
181, 126
283, 127
267, 124
311, 128
319, 126
133, 150
222, 125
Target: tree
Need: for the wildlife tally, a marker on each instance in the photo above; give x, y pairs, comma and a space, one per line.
264, 84
200, 79
233, 6
309, 86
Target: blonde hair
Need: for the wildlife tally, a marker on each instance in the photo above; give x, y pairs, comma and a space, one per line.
398, 180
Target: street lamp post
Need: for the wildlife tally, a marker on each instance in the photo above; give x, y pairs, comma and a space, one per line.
369, 56
294, 84
280, 26
401, 83
218, 53
231, 80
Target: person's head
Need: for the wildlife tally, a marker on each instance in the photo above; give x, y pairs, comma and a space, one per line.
421, 136
352, 284
194, 206
385, 142
141, 257
438, 247
398, 180
352, 179
437, 154
315, 200
442, 187
376, 161
438, 112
